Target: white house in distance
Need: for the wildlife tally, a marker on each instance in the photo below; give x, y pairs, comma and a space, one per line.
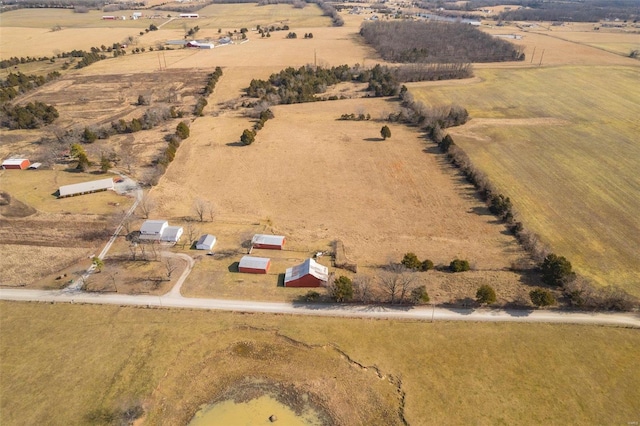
15, 163
308, 274
206, 242
85, 187
159, 230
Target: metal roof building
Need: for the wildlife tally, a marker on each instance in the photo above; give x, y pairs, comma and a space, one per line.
308, 274
172, 234
159, 230
272, 242
206, 242
254, 265
85, 187
15, 163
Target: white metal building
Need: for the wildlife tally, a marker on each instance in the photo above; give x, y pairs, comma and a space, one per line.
85, 187
206, 242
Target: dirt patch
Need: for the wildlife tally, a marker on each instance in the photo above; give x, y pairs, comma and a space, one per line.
13, 208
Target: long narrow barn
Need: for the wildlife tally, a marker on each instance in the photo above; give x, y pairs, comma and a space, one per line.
85, 188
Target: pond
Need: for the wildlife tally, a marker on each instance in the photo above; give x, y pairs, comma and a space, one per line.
256, 411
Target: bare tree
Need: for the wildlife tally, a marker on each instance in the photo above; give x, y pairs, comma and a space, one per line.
396, 282
201, 208
210, 212
147, 205
153, 248
192, 231
363, 288
126, 154
170, 266
133, 249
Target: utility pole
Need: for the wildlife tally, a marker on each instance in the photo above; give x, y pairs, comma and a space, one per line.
533, 54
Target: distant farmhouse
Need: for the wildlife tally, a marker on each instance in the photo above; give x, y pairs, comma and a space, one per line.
85, 188
15, 163
308, 274
159, 230
189, 15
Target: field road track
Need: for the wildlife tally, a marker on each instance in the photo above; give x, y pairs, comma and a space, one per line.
124, 187
432, 313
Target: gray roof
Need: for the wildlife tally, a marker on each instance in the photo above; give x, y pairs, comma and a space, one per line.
206, 242
254, 262
153, 227
274, 240
84, 187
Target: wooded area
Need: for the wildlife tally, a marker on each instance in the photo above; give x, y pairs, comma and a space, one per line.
437, 42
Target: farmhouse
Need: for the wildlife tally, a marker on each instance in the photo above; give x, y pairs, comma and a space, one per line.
85, 187
271, 242
159, 230
206, 242
189, 15
254, 265
199, 45
15, 163
308, 274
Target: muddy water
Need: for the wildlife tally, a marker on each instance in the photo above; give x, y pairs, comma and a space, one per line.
254, 412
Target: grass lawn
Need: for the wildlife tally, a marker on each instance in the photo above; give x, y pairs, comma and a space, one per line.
569, 162
65, 363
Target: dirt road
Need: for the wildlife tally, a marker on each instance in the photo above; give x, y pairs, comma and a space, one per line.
173, 300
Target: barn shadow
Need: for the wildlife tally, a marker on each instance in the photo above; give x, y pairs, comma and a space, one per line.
234, 267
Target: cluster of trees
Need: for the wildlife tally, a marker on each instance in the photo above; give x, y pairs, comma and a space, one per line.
329, 10
411, 261
432, 42
18, 83
192, 31
574, 11
354, 117
292, 35
308, 35
249, 135
293, 85
434, 71
429, 119
212, 80
395, 285
30, 116
182, 132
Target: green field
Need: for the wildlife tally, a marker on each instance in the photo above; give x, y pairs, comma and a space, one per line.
563, 144
65, 362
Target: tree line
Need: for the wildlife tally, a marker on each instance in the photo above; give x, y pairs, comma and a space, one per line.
18, 83
575, 11
30, 116
437, 42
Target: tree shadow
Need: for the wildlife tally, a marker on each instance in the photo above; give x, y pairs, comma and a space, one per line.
373, 139
481, 211
280, 280
234, 267
235, 144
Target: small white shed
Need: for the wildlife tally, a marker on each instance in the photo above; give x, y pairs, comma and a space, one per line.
206, 242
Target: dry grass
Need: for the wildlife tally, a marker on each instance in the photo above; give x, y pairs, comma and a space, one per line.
36, 188
23, 265
61, 363
586, 152
382, 199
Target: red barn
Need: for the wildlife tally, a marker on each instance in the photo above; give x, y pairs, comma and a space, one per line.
16, 163
308, 274
271, 242
254, 265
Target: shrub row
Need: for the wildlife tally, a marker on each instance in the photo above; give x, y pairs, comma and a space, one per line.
249, 136
212, 80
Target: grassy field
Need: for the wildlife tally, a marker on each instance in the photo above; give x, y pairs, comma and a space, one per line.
69, 362
543, 149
